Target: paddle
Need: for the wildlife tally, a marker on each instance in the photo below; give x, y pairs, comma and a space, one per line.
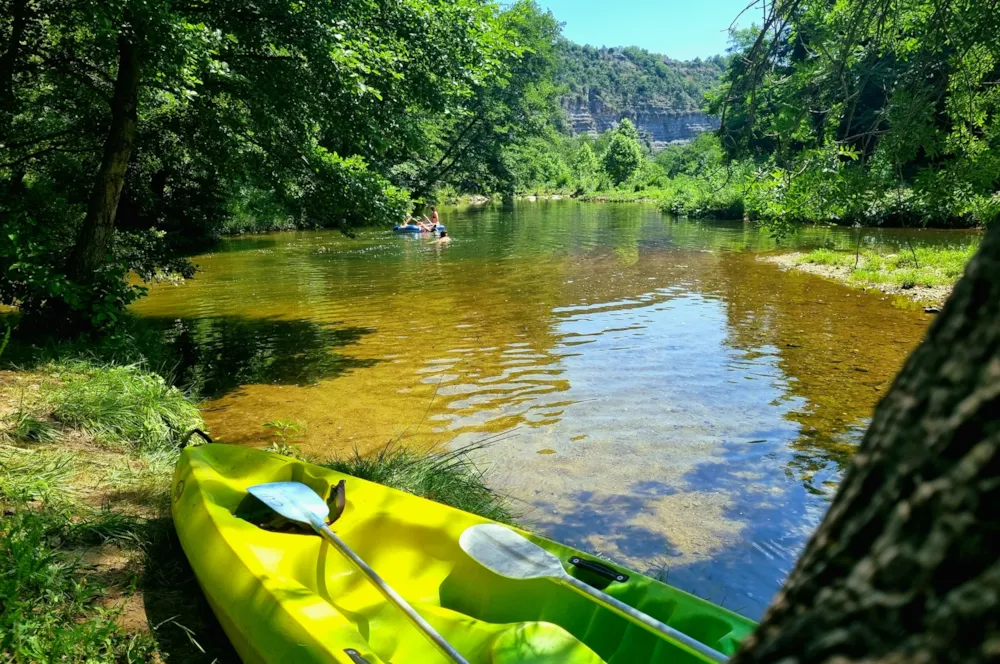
505, 552
297, 502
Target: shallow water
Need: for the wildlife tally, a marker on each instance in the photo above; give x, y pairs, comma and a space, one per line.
654, 393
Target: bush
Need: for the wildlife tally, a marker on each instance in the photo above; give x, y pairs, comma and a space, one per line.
345, 194
700, 198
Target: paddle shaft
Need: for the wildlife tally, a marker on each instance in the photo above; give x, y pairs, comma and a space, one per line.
641, 618
390, 594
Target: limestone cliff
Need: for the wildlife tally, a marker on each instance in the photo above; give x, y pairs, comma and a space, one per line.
659, 126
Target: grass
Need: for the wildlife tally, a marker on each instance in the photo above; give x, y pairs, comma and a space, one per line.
31, 476
451, 478
90, 567
122, 405
51, 611
904, 268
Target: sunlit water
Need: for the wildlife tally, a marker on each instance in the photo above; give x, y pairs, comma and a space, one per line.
651, 391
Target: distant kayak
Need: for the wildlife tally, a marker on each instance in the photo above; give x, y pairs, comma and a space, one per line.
412, 228
285, 595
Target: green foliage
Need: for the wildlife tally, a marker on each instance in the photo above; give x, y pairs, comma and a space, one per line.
703, 198
284, 432
585, 167
867, 112
344, 193
320, 114
480, 148
122, 406
624, 154
631, 79
447, 477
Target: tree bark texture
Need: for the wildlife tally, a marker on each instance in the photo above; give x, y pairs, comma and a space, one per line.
905, 566
94, 239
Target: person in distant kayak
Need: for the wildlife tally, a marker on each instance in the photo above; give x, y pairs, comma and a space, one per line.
425, 225
434, 217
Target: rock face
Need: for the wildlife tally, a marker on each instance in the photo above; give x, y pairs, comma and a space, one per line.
660, 127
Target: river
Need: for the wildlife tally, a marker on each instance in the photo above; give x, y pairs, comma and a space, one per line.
652, 392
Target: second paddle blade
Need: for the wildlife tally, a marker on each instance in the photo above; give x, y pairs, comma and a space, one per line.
507, 553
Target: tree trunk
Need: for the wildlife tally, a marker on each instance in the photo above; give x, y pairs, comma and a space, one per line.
8, 66
905, 567
94, 239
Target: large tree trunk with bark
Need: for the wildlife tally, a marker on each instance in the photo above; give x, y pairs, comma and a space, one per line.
94, 240
905, 566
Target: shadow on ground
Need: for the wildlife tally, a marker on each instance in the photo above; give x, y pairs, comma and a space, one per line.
178, 613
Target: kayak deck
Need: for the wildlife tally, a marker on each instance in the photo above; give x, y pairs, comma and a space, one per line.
290, 596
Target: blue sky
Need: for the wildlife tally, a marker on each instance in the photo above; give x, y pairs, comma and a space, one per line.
681, 29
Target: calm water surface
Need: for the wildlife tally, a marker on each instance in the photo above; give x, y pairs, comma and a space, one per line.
654, 393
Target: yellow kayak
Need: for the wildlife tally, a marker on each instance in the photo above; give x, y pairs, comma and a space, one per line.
292, 597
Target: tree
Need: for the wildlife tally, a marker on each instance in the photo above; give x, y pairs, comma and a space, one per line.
628, 129
624, 154
508, 108
129, 130
904, 566
865, 110
585, 166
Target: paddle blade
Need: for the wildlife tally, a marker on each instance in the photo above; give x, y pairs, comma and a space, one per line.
507, 553
293, 500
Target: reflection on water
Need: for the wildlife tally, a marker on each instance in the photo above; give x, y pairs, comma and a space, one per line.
215, 355
672, 402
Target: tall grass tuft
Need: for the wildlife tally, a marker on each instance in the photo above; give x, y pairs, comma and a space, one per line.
124, 406
451, 478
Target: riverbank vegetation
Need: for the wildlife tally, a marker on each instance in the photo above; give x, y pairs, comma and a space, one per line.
925, 273
94, 571
829, 115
